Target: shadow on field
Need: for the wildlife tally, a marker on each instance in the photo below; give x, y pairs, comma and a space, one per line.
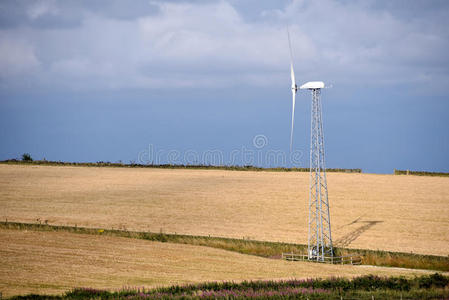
347, 239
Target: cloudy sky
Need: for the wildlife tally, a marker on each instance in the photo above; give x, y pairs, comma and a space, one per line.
168, 81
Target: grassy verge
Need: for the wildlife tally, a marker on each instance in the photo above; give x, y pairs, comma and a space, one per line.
398, 259
366, 287
167, 166
251, 247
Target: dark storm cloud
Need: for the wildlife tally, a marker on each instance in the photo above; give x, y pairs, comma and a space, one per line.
144, 44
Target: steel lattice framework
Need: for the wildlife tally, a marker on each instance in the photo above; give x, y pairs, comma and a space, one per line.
319, 239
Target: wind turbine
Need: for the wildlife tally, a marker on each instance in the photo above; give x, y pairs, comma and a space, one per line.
319, 232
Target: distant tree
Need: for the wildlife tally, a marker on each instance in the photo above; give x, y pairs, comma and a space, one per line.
26, 157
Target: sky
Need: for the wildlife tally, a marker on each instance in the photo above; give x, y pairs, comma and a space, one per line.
189, 82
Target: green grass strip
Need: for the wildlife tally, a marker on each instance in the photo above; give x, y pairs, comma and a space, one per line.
252, 247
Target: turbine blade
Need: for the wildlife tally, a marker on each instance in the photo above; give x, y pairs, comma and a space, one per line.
294, 88
293, 77
293, 119
290, 46
291, 60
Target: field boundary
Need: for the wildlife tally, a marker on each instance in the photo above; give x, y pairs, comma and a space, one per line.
169, 166
265, 249
369, 287
204, 167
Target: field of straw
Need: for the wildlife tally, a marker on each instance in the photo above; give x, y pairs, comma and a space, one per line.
389, 212
54, 262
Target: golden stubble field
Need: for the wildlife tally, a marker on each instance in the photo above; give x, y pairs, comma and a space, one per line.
54, 262
397, 213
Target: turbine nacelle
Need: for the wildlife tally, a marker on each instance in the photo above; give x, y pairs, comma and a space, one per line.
311, 85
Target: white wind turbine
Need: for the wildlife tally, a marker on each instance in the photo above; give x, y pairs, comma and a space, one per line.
319, 233
307, 86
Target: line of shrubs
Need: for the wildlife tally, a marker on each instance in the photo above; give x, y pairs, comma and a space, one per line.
419, 173
367, 282
29, 160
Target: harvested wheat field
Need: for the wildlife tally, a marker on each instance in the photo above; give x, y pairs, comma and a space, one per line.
396, 213
53, 262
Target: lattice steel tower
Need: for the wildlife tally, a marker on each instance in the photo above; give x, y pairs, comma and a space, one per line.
319, 233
